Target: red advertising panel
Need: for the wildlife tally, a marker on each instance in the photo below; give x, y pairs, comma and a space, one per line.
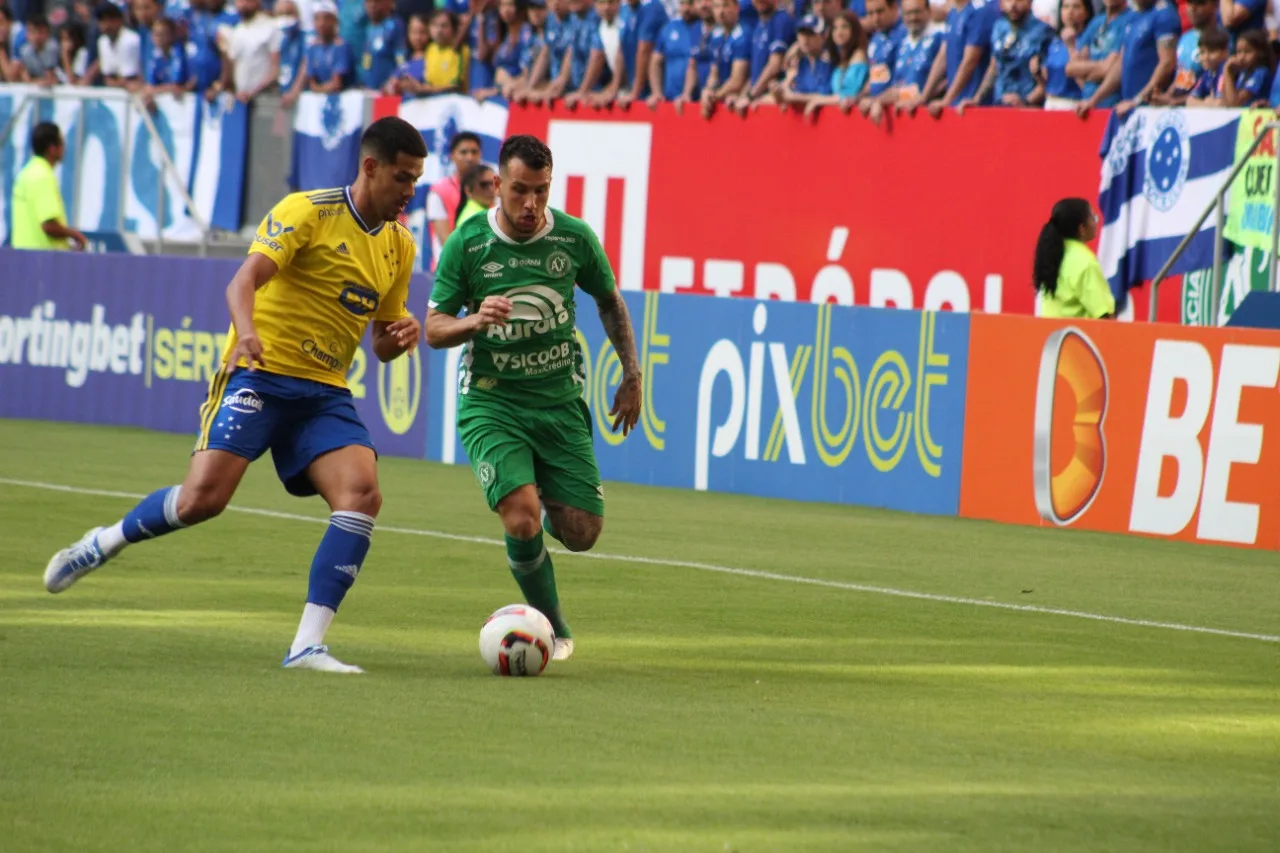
919, 212
1129, 428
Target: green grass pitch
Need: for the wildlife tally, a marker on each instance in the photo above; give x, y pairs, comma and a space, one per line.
145, 710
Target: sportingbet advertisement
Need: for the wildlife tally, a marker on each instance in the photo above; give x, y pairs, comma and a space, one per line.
806, 402
114, 339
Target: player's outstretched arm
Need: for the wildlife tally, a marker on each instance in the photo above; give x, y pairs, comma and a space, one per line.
445, 331
616, 320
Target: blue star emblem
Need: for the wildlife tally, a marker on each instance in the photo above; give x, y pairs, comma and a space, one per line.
1166, 159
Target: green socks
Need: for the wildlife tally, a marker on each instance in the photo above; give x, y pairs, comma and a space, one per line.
531, 567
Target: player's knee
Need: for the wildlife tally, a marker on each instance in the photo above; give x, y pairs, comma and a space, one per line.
522, 524
364, 498
201, 502
583, 539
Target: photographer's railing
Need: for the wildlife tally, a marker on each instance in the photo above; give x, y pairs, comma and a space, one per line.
28, 99
1218, 208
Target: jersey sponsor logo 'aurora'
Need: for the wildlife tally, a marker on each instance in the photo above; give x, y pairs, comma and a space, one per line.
535, 310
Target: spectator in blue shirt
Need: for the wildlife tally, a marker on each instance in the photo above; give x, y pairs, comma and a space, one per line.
1098, 50
1246, 78
531, 47
963, 59
203, 56
1240, 16
383, 45
846, 54
642, 23
599, 84
1214, 47
703, 56
482, 39
672, 74
165, 67
145, 15
1062, 91
586, 24
327, 65
882, 51
1147, 58
1203, 17
773, 34
293, 44
1017, 41
914, 58
550, 75
731, 57
810, 76
513, 36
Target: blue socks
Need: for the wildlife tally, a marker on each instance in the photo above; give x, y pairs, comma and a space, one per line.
155, 516
339, 557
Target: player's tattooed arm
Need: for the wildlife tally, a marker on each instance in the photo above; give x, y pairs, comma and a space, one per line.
616, 320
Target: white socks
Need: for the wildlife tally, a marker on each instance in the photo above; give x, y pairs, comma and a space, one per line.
316, 619
111, 540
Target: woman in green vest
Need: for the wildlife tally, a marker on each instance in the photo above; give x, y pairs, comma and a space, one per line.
1068, 277
477, 193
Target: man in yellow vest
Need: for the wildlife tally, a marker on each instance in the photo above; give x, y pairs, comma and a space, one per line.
39, 217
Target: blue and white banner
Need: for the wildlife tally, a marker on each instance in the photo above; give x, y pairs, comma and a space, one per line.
326, 140
440, 119
1160, 169
111, 172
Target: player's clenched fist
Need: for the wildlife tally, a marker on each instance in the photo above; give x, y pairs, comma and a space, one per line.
494, 311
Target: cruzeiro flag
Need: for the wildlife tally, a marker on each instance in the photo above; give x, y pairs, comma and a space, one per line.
440, 118
1160, 169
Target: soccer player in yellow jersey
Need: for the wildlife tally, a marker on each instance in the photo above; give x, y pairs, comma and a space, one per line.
321, 268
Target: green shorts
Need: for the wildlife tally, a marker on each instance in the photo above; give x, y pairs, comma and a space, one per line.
510, 447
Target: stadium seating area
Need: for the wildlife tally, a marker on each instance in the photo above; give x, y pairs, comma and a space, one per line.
873, 55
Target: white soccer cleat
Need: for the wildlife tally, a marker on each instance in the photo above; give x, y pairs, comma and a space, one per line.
319, 659
563, 649
71, 564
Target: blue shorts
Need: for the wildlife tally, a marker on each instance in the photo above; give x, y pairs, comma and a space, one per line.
300, 420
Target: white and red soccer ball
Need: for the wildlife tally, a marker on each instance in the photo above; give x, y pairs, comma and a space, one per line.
517, 640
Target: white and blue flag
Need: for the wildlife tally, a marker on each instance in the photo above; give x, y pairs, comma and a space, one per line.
114, 167
1160, 169
440, 119
326, 140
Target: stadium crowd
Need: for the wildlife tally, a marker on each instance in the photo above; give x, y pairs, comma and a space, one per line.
872, 55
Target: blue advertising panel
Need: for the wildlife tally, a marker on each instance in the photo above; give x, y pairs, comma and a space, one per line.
789, 400
120, 339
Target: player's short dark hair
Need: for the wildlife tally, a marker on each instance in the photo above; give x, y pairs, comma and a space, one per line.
530, 150
388, 138
44, 136
37, 22
464, 136
1214, 39
109, 12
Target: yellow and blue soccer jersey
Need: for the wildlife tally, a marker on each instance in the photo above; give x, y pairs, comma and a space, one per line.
336, 273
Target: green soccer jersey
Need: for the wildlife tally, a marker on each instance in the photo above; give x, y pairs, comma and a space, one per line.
534, 360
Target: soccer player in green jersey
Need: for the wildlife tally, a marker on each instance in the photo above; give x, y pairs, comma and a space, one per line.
521, 416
